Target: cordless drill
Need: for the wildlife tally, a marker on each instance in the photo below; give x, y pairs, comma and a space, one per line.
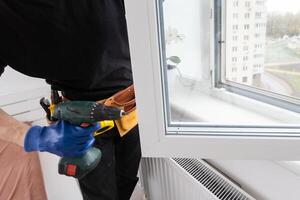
80, 113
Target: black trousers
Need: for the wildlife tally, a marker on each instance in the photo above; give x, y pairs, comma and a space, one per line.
116, 175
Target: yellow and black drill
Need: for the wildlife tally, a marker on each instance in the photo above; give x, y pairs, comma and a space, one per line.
80, 113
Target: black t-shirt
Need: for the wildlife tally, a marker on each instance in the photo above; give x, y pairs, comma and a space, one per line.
78, 46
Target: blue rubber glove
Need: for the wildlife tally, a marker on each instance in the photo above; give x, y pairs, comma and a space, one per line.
62, 139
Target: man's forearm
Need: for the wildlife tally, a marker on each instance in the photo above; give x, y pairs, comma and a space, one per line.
12, 130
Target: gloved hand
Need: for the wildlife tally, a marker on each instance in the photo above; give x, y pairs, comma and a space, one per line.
62, 139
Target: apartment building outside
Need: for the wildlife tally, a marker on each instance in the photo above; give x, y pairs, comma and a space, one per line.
245, 40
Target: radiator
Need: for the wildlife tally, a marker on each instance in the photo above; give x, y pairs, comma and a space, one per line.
187, 179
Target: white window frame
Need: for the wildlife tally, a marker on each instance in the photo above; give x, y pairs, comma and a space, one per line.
144, 41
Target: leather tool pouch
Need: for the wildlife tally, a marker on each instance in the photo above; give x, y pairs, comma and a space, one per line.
125, 100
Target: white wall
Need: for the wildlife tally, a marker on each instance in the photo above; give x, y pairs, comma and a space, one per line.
14, 82
265, 180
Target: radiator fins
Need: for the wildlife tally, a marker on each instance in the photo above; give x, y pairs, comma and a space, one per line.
219, 186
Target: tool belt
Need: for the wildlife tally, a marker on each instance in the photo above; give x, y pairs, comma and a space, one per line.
125, 100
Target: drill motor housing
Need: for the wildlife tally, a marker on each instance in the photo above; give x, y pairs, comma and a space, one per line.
81, 113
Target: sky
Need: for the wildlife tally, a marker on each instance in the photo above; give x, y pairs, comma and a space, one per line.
283, 5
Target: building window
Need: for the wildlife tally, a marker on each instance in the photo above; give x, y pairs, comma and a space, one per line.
235, 3
265, 42
260, 25
235, 15
247, 15
258, 14
234, 69
259, 3
245, 68
258, 46
257, 66
245, 119
234, 49
234, 38
246, 37
235, 27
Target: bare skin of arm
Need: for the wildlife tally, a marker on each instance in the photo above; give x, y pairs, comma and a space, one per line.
12, 130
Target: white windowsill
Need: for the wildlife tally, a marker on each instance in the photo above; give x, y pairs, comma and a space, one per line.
292, 166
217, 106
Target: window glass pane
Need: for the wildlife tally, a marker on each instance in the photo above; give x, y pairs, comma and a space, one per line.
270, 45
186, 40
187, 56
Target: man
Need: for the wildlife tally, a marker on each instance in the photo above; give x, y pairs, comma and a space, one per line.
81, 48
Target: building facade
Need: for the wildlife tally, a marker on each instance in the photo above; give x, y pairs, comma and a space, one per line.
245, 40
